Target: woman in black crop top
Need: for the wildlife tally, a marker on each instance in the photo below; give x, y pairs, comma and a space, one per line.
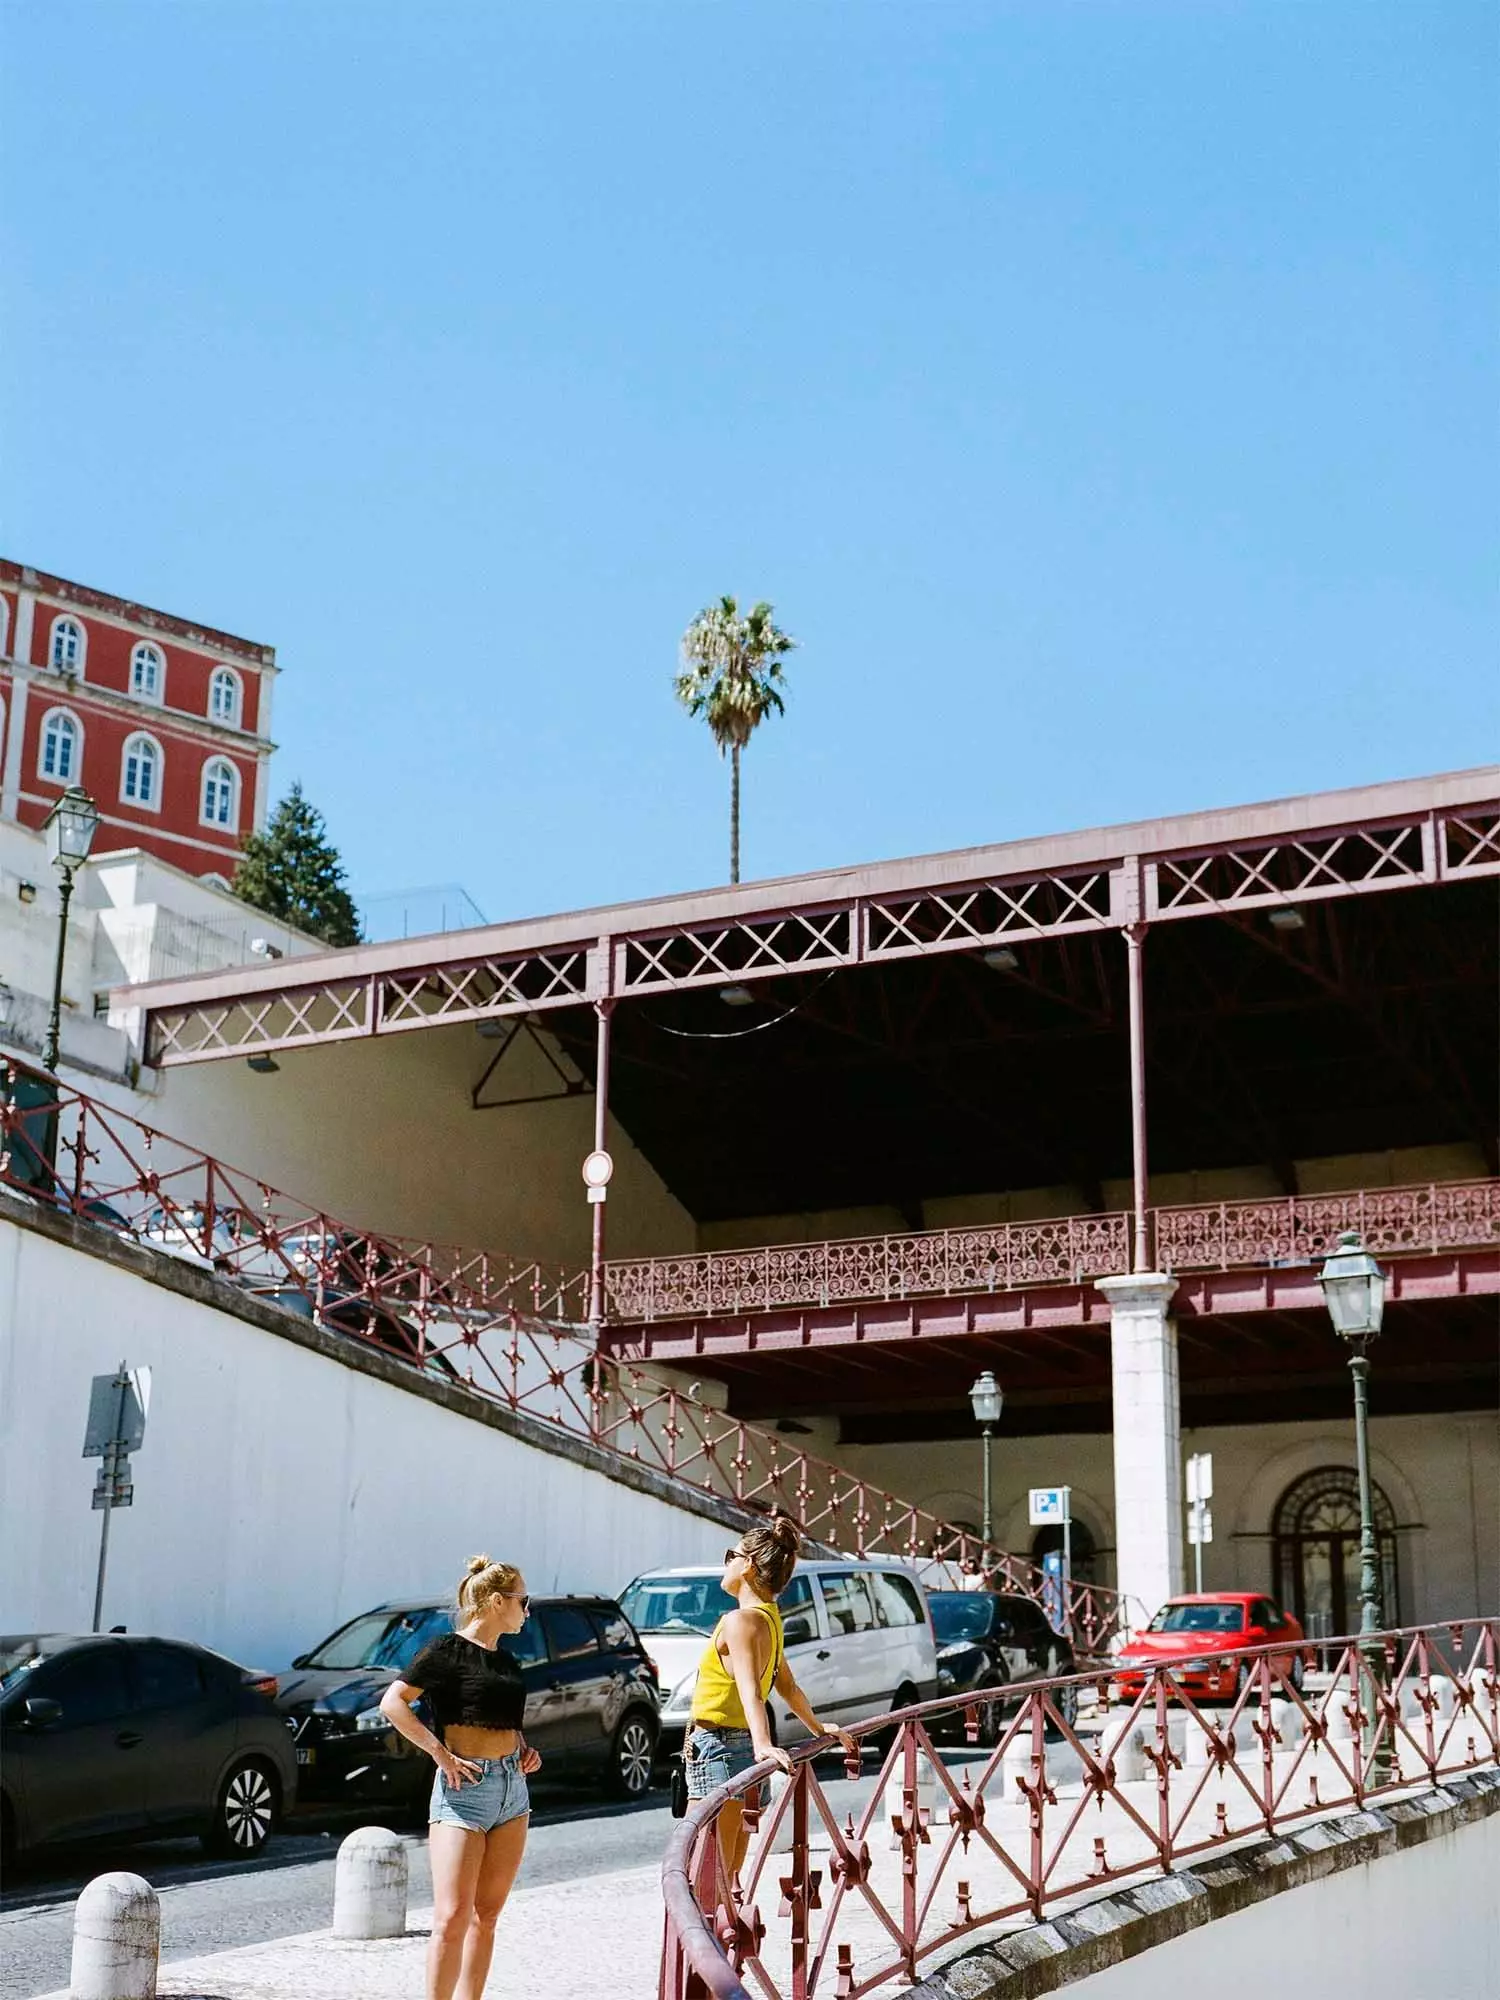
480, 1806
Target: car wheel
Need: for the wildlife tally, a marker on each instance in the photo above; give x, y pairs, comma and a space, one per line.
904, 1697
245, 1812
632, 1752
1296, 1673
1065, 1701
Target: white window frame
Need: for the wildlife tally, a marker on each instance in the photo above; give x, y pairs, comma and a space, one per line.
141, 651
205, 818
76, 665
237, 706
4, 624
139, 736
51, 777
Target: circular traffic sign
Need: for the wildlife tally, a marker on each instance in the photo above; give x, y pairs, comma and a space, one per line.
597, 1169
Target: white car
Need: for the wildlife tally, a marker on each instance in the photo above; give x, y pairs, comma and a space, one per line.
858, 1639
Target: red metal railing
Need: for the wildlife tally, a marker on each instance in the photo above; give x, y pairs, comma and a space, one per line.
844, 1902
507, 1328
1216, 1236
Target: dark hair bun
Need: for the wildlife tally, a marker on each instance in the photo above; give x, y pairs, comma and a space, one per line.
786, 1533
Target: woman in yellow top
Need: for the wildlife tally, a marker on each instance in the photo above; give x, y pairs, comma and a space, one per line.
746, 1658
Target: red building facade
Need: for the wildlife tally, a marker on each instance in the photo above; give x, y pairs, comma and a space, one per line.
166, 724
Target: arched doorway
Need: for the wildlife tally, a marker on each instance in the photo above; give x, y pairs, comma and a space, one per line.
1082, 1548
1315, 1552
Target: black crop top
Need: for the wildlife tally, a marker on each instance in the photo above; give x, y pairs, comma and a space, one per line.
466, 1683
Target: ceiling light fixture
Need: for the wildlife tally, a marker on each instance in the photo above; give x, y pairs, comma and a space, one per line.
736, 996
1001, 959
1287, 919
262, 1065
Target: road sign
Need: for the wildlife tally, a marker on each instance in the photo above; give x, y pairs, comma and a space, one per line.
117, 1411
1049, 1506
1200, 1525
1200, 1476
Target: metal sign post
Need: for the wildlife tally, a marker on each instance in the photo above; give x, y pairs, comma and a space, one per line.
116, 1427
1200, 1490
1052, 1506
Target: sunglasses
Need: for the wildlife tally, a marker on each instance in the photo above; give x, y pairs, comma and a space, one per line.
521, 1597
735, 1555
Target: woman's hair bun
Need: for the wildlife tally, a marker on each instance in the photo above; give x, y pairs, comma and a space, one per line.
788, 1535
476, 1564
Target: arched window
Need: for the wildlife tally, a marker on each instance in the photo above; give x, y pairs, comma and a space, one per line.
221, 793
148, 672
66, 651
1315, 1550
224, 697
140, 772
61, 755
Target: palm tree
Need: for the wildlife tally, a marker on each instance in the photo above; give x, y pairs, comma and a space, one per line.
732, 677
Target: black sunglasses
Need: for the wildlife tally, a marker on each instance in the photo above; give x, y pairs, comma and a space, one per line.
735, 1555
520, 1597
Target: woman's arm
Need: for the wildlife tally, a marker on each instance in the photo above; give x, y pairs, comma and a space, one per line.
395, 1706
786, 1686
746, 1640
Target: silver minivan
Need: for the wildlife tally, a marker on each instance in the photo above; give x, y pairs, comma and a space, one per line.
858, 1639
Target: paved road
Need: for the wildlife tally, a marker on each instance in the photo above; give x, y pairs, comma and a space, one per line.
212, 1905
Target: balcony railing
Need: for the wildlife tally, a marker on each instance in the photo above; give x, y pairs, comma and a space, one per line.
1068, 1250
948, 1844
508, 1328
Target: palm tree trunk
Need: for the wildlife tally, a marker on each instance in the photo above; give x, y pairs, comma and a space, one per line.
734, 813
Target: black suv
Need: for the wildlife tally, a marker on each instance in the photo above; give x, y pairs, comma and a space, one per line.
987, 1641
592, 1703
108, 1738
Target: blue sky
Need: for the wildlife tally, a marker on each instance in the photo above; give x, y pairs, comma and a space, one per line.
1104, 391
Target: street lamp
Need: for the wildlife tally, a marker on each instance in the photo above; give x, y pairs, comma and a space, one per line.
70, 828
1354, 1293
987, 1401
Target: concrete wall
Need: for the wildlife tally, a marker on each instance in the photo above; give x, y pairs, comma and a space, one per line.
1440, 1473
280, 1489
1416, 1924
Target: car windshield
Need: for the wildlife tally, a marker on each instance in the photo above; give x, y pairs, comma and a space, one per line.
381, 1639
1198, 1618
674, 1603
960, 1614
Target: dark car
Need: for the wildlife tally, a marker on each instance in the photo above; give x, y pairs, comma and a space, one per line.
118, 1737
987, 1641
592, 1703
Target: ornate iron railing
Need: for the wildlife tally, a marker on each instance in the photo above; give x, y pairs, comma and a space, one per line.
1066, 1250
507, 1328
844, 1903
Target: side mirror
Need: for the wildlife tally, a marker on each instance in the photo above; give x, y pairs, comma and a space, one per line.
300, 1661
42, 1713
797, 1631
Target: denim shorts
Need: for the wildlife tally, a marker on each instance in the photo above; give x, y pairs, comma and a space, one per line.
482, 1803
712, 1757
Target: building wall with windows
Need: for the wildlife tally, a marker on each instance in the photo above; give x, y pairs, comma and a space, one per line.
165, 723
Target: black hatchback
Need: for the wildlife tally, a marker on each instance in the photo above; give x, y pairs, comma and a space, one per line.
987, 1642
592, 1702
116, 1737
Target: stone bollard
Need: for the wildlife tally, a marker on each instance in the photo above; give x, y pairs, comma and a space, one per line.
369, 1885
116, 1940
1125, 1742
1286, 1720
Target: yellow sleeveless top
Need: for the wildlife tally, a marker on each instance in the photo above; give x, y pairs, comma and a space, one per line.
716, 1699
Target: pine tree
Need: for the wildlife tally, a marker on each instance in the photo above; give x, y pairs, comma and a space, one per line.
293, 871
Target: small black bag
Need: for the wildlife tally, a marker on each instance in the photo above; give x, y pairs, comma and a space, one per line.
679, 1788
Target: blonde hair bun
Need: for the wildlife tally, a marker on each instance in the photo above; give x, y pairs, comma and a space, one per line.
476, 1564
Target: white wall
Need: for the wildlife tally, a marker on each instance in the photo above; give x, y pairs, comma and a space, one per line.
1419, 1924
278, 1491
1440, 1473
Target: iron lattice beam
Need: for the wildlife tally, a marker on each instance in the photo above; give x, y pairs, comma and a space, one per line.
721, 937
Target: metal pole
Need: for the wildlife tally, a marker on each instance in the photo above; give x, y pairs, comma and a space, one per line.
1370, 1595
985, 1530
602, 1009
1067, 1589
1135, 940
1198, 1546
111, 1462
54, 1020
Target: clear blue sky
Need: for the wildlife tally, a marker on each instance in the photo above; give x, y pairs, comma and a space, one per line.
1104, 391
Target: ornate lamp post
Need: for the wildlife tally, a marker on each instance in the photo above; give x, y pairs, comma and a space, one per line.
70, 828
987, 1401
1354, 1292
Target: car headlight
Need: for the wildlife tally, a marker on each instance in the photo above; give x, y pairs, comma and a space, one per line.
682, 1694
372, 1718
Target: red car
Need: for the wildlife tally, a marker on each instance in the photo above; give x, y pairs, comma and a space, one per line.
1201, 1640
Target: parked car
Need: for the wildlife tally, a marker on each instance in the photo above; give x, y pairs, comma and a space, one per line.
591, 1700
117, 1737
1200, 1639
858, 1639
987, 1641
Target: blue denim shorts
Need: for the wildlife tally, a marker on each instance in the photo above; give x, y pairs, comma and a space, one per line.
481, 1804
712, 1757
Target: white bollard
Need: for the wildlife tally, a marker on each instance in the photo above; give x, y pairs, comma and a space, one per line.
1286, 1720
1125, 1742
369, 1885
116, 1940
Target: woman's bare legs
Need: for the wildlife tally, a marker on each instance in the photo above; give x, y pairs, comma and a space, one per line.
503, 1848
457, 1856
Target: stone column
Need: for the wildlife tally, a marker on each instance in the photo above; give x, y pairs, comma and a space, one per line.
1148, 1440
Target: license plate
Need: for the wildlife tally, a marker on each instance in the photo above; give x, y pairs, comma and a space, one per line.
307, 1756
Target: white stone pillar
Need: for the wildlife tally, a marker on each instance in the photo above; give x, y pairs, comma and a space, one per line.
1148, 1441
